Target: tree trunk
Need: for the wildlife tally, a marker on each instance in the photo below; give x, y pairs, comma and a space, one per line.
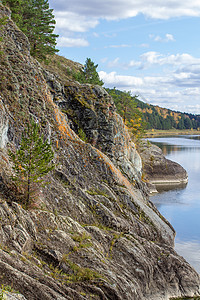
28, 191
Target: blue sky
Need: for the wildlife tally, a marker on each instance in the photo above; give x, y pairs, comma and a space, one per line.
151, 48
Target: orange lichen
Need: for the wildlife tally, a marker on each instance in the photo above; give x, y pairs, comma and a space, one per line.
4, 158
116, 172
61, 120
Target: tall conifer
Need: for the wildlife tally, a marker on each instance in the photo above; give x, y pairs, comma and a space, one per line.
40, 29
36, 20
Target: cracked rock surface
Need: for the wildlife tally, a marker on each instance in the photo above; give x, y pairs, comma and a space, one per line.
92, 232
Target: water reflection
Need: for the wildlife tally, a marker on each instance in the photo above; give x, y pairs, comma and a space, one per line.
190, 250
193, 137
172, 197
182, 206
170, 187
167, 149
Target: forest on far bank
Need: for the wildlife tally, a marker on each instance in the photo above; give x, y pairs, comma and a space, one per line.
153, 117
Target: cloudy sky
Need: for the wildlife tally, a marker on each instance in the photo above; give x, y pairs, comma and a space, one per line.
148, 47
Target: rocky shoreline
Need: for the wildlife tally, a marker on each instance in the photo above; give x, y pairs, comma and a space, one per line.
160, 173
92, 233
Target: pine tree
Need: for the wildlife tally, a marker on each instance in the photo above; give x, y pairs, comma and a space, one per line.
40, 30
36, 20
125, 104
18, 9
187, 123
31, 162
181, 123
89, 73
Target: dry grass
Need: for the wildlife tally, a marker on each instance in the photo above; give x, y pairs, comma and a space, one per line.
62, 66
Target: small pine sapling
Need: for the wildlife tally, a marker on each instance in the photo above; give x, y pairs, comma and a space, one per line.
31, 162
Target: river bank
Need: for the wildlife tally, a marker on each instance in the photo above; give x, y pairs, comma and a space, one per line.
173, 132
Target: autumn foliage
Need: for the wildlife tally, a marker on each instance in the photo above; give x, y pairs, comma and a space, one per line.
127, 108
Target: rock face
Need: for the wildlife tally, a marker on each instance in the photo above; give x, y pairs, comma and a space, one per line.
161, 173
91, 111
3, 126
92, 233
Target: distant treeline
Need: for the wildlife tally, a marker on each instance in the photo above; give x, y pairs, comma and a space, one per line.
154, 117
163, 118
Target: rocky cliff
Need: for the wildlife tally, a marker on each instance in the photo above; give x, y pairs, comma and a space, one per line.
92, 233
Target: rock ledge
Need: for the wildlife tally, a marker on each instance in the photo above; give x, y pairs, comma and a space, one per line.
160, 172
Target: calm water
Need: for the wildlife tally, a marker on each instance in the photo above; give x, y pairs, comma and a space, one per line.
181, 207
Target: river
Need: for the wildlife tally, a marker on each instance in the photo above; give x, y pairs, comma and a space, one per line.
181, 207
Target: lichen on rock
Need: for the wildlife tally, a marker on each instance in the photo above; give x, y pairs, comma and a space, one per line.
92, 232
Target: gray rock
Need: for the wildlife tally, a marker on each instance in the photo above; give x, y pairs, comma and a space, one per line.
3, 126
11, 296
92, 232
161, 173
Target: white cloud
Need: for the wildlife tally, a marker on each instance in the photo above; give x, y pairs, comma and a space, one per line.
114, 63
165, 83
118, 46
113, 79
167, 90
144, 45
69, 23
193, 92
80, 16
151, 58
168, 38
185, 63
71, 42
72, 21
133, 63
194, 109
119, 9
